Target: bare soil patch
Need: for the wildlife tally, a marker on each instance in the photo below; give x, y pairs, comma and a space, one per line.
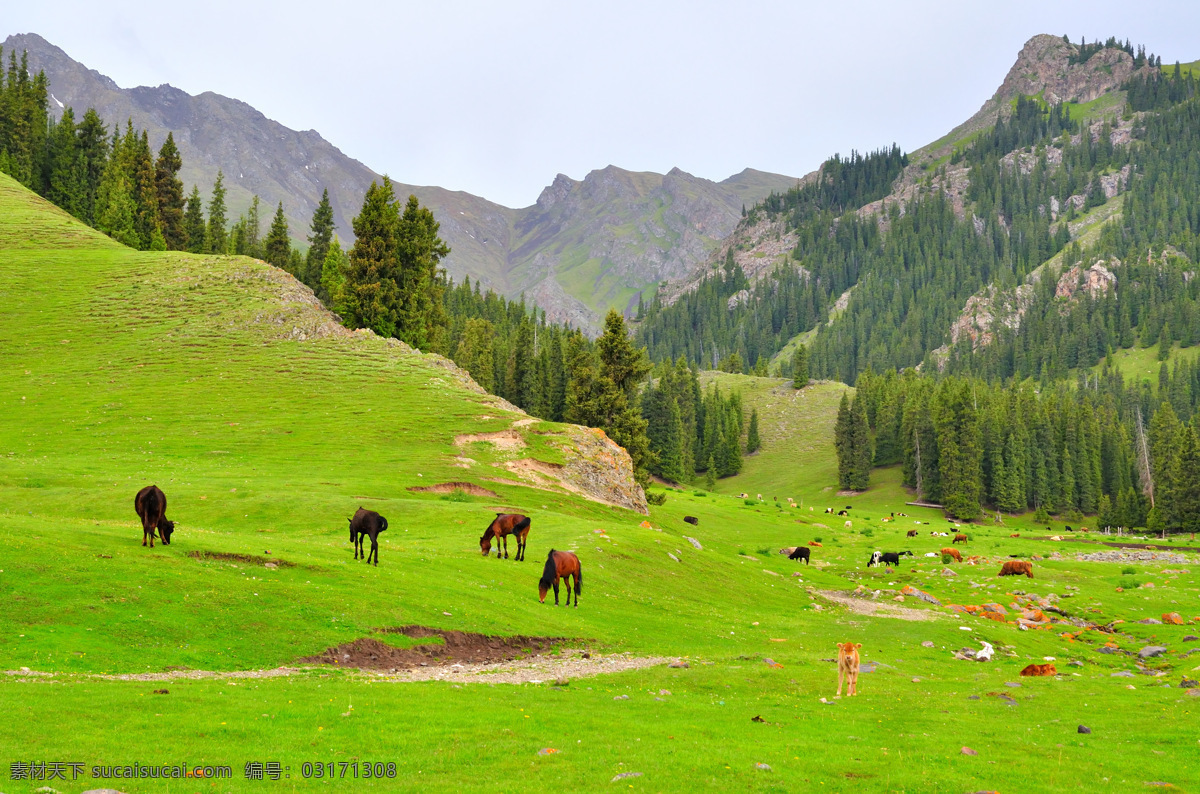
877, 609
502, 439
460, 647
450, 487
249, 559
1142, 546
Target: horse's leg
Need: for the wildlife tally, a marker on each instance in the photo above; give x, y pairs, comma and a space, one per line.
375, 550
577, 588
505, 539
521, 547
555, 591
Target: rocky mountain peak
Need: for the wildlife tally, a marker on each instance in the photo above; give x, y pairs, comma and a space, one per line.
1043, 67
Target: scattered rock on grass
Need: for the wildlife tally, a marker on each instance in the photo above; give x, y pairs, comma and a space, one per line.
625, 775
1084, 729
968, 751
763, 767
1150, 651
621, 697
927, 644
679, 664
1190, 638
1122, 674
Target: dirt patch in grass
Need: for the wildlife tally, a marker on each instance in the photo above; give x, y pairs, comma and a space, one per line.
460, 647
248, 559
877, 609
502, 439
450, 487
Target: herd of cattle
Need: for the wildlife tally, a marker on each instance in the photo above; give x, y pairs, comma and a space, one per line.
890, 558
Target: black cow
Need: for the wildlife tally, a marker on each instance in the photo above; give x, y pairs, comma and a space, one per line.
151, 506
801, 553
692, 520
366, 523
888, 558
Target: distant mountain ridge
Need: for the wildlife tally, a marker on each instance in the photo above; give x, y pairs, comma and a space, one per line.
585, 246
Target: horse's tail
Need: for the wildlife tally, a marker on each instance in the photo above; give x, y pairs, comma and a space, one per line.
549, 572
522, 524
150, 507
578, 580
382, 521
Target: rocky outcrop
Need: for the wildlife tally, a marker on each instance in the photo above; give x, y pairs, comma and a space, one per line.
1095, 282
988, 311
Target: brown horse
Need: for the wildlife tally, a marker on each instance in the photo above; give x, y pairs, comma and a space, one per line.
560, 565
502, 526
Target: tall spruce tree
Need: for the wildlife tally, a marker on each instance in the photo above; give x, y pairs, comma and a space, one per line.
169, 191
319, 238
193, 223
752, 439
217, 236
861, 454
333, 276
800, 367
372, 295
419, 252
278, 246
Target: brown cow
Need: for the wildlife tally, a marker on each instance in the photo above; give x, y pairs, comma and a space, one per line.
1039, 669
1015, 535
953, 553
848, 667
1016, 568
959, 538
151, 506
912, 533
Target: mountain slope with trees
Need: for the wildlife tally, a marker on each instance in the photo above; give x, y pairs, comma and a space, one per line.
584, 247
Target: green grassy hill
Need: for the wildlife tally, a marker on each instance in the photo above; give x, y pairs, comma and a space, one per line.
217, 379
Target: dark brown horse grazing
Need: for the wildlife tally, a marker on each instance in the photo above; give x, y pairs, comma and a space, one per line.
366, 523
151, 506
506, 524
560, 565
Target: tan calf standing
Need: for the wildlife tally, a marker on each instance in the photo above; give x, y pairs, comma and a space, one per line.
848, 667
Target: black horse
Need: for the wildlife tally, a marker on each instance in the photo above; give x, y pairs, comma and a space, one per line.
366, 523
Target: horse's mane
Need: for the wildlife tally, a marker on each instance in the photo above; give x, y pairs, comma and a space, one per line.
549, 572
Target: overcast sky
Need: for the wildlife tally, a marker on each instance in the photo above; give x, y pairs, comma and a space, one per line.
496, 98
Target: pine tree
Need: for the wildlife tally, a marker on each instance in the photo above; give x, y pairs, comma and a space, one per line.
145, 194
752, 440
475, 353
333, 276
419, 252
65, 180
372, 294
861, 454
217, 237
252, 244
800, 367
710, 474
319, 238
193, 223
278, 247
169, 190
841, 444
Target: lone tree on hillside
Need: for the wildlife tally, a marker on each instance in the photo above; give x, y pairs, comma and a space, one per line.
800, 367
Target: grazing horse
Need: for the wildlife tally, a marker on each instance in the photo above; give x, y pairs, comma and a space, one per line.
502, 526
151, 506
560, 565
366, 523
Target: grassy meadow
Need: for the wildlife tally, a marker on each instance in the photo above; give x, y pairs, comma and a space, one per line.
211, 377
